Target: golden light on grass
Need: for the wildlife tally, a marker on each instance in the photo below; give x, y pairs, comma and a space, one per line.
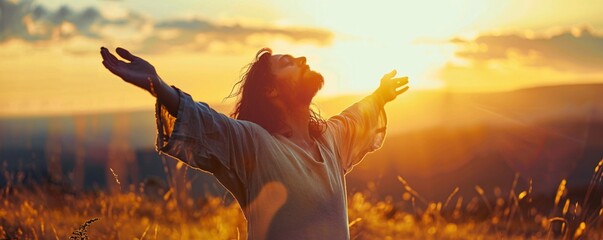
560, 192
131, 215
479, 190
599, 166
566, 207
354, 222
167, 195
557, 219
410, 190
456, 190
482, 194
594, 181
156, 230
577, 209
530, 190
522, 195
115, 176
580, 230
145, 232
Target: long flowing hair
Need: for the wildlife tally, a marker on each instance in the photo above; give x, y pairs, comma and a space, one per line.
254, 105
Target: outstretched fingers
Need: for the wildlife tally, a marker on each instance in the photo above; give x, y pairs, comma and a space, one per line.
110, 58
392, 86
103, 53
401, 81
111, 67
389, 75
125, 54
106, 59
398, 92
114, 59
110, 62
399, 85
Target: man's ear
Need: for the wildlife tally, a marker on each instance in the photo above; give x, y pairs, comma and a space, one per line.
272, 92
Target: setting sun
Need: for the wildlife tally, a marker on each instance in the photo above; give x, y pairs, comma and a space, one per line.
351, 44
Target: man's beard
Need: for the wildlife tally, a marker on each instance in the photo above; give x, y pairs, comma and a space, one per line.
309, 85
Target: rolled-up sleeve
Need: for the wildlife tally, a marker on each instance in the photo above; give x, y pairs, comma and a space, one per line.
358, 130
206, 140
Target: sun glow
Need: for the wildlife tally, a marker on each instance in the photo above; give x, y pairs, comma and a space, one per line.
351, 43
372, 41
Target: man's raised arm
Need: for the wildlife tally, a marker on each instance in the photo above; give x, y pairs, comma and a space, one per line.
142, 74
360, 128
191, 131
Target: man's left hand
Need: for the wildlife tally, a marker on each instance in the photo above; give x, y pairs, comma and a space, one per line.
391, 87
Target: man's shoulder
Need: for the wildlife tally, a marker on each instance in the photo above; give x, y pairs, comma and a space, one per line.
257, 130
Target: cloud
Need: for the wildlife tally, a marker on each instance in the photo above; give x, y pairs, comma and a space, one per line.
238, 31
23, 20
569, 50
201, 35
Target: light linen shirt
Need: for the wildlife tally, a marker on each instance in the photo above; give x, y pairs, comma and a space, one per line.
283, 192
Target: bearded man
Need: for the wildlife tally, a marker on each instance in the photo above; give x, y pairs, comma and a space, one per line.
284, 165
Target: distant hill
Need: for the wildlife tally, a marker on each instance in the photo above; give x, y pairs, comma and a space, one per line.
545, 134
436, 140
435, 161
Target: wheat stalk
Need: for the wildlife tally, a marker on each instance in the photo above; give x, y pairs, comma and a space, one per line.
82, 232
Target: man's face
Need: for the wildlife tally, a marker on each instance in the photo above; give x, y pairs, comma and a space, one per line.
296, 83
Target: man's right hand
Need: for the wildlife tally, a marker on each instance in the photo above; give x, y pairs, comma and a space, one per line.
135, 72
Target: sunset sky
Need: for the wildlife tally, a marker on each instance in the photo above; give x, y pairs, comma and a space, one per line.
50, 62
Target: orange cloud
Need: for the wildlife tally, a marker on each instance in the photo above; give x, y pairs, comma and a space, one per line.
513, 61
25, 21
570, 50
201, 35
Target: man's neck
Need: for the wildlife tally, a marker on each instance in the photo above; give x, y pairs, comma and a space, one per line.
297, 120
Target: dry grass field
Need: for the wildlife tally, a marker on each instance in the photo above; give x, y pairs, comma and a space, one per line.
47, 211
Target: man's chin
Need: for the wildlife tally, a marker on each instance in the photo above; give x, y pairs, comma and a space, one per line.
315, 79
312, 83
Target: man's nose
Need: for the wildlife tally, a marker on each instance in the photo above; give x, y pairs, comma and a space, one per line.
302, 60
